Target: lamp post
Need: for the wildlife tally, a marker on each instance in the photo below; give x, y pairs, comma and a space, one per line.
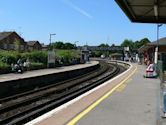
75, 43
157, 46
51, 55
51, 36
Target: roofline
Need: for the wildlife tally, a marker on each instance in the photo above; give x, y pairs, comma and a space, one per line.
126, 9
11, 32
129, 13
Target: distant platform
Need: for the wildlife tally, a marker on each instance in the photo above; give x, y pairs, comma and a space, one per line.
35, 73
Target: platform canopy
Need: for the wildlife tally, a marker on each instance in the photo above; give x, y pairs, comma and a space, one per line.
144, 11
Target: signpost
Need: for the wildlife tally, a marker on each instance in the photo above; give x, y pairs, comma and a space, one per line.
51, 59
51, 55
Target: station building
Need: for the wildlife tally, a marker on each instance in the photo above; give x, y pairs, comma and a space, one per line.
148, 11
148, 52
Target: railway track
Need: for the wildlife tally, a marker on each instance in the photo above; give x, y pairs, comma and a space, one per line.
23, 107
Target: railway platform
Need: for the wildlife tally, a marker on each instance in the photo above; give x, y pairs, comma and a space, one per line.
128, 99
35, 73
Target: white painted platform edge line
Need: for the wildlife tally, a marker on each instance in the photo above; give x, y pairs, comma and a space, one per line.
58, 109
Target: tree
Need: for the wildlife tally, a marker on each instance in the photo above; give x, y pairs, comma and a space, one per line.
61, 45
69, 46
112, 45
103, 45
128, 43
58, 45
142, 42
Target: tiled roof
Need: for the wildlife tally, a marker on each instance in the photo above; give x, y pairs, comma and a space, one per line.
4, 35
161, 42
31, 43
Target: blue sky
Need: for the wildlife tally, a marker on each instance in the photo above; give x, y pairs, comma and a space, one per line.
87, 21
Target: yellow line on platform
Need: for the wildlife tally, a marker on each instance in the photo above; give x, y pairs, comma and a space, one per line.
121, 88
83, 113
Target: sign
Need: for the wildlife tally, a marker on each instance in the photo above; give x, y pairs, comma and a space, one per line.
51, 57
126, 48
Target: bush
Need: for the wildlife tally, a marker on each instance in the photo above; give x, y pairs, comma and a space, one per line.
4, 68
67, 56
96, 53
9, 57
39, 56
38, 59
35, 66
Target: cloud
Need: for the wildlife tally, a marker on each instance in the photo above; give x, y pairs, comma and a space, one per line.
78, 9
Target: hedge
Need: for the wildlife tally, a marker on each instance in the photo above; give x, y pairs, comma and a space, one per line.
38, 59
35, 66
4, 68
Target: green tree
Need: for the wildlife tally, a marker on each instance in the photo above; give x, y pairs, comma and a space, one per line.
103, 45
112, 45
69, 46
128, 43
61, 45
58, 45
142, 42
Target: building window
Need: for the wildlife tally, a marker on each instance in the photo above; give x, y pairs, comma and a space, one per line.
5, 46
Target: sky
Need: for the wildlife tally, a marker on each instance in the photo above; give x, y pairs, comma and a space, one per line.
90, 22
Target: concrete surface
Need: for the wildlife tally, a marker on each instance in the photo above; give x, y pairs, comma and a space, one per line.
133, 104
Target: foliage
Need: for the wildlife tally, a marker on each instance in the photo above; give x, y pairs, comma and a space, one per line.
4, 68
67, 55
61, 45
112, 45
69, 46
37, 56
58, 45
3, 65
135, 45
142, 42
38, 59
128, 43
103, 45
96, 53
9, 57
35, 66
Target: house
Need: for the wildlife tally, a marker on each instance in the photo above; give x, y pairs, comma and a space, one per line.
34, 45
12, 41
44, 47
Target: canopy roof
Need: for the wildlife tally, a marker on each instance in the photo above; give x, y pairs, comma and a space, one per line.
144, 11
160, 42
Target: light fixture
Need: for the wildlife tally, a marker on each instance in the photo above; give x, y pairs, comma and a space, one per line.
156, 10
